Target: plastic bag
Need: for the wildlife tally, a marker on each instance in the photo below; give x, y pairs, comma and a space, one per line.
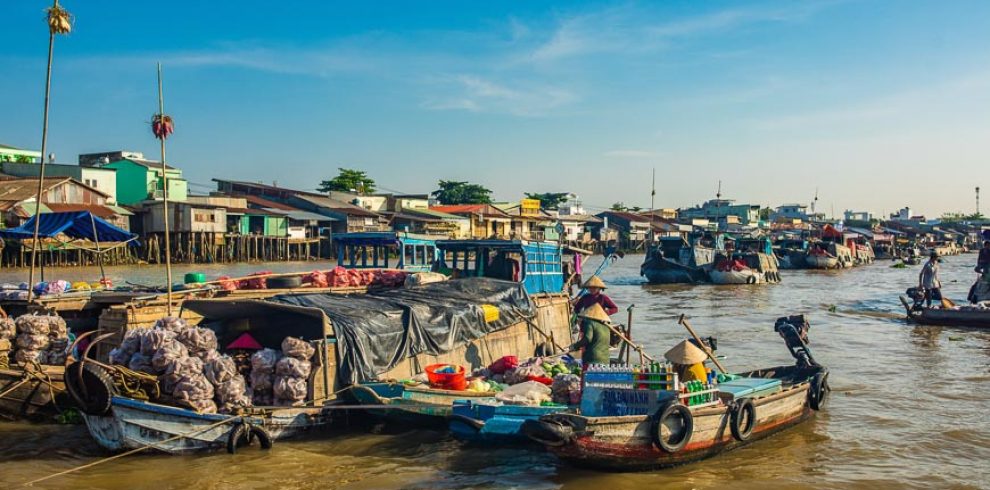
32, 324
155, 339
171, 324
185, 366
566, 388
232, 395
198, 339
523, 373
24, 356
317, 279
289, 389
504, 364
207, 356
140, 362
528, 393
293, 367
57, 329
264, 361
120, 357
193, 388
35, 341
300, 349
201, 406
132, 341
220, 370
8, 328
261, 382
166, 355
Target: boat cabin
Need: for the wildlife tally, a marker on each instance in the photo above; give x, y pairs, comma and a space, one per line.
535, 264
386, 250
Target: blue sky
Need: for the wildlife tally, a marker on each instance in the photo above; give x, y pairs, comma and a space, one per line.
877, 104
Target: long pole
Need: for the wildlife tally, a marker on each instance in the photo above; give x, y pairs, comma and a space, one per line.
99, 253
683, 321
41, 171
168, 248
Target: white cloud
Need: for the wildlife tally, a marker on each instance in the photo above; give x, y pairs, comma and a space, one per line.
477, 94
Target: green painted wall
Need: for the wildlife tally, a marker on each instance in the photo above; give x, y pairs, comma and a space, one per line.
135, 181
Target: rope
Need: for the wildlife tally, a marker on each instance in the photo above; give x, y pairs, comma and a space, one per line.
132, 451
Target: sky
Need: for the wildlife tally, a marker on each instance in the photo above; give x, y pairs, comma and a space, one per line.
875, 104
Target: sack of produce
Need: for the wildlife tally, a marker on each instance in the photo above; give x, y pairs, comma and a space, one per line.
5, 346
33, 341
55, 357
261, 381
220, 370
8, 328
25, 356
207, 356
132, 341
504, 364
293, 367
529, 393
566, 389
289, 390
185, 366
154, 339
141, 362
421, 278
32, 324
300, 349
171, 324
264, 360
232, 395
317, 279
522, 374
202, 406
195, 387
198, 339
166, 355
120, 357
57, 329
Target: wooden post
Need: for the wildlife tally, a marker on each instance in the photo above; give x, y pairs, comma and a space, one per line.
168, 250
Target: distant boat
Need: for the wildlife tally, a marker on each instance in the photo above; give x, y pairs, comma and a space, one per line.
673, 260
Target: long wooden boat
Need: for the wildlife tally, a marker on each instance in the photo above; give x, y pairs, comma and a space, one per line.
674, 261
821, 261
133, 424
965, 316
480, 421
677, 434
760, 269
419, 405
33, 394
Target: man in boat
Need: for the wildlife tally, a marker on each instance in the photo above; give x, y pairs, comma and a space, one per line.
595, 296
983, 262
689, 362
595, 335
928, 280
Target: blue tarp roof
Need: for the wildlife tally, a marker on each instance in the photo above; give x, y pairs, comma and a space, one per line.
75, 224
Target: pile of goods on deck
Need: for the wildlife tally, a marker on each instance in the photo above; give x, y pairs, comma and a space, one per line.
336, 278
41, 339
192, 373
537, 381
19, 292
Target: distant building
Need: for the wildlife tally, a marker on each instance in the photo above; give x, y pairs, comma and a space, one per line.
138, 179
633, 228
12, 154
101, 179
661, 213
719, 209
486, 221
60, 194
789, 213
857, 215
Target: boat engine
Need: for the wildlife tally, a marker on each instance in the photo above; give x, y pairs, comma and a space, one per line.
918, 296
794, 330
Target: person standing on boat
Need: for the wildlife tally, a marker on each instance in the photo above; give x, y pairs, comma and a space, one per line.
983, 262
928, 280
689, 362
595, 296
595, 336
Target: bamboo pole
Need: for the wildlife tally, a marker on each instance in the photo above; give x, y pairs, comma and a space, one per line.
683, 321
168, 249
44, 149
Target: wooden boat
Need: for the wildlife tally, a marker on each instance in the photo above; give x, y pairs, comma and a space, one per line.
821, 261
755, 264
32, 392
675, 261
417, 404
962, 316
732, 276
677, 434
132, 424
791, 253
480, 421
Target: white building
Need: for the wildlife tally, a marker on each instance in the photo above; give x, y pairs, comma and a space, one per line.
101, 179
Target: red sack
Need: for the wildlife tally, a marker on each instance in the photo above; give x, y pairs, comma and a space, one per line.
257, 283
317, 279
226, 284
540, 379
504, 364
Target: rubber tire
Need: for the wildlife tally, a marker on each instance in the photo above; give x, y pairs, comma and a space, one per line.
99, 388
657, 424
751, 280
743, 405
548, 433
244, 434
283, 282
818, 392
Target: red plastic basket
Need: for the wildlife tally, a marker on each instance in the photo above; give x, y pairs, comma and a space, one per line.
446, 381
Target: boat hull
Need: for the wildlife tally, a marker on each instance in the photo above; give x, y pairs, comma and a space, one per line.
745, 276
495, 424
133, 424
821, 262
951, 318
419, 406
36, 396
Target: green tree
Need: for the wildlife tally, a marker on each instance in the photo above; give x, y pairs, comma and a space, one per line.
635, 209
765, 214
548, 200
349, 181
618, 207
452, 192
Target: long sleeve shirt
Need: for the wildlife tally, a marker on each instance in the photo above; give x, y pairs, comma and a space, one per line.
595, 340
589, 299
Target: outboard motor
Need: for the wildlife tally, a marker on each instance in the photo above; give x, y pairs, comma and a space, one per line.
794, 330
918, 296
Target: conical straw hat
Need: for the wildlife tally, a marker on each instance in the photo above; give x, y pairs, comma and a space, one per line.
594, 282
685, 353
595, 312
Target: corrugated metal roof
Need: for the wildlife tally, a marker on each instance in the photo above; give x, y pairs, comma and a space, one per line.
339, 206
96, 209
300, 215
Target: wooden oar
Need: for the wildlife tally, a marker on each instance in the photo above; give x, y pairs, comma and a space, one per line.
708, 352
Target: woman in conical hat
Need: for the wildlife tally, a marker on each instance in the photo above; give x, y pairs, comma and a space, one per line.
595, 286
689, 361
595, 336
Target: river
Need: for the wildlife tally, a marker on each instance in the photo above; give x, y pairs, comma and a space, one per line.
908, 408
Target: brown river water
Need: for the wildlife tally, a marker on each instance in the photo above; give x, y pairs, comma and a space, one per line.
908, 408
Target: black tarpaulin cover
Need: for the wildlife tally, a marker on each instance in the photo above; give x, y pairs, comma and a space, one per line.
376, 331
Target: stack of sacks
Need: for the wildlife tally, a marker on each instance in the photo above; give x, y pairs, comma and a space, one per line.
121, 355
262, 376
201, 342
292, 372
32, 338
58, 346
8, 331
229, 388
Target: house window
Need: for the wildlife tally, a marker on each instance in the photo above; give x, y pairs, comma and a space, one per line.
203, 217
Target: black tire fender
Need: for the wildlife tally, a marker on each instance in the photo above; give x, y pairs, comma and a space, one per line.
244, 434
743, 406
548, 433
818, 391
657, 424
95, 397
751, 280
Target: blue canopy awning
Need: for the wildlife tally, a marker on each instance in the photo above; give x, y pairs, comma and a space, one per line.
75, 224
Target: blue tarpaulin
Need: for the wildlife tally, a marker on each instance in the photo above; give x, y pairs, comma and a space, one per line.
75, 224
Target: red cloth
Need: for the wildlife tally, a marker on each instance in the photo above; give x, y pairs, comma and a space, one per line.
589, 299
